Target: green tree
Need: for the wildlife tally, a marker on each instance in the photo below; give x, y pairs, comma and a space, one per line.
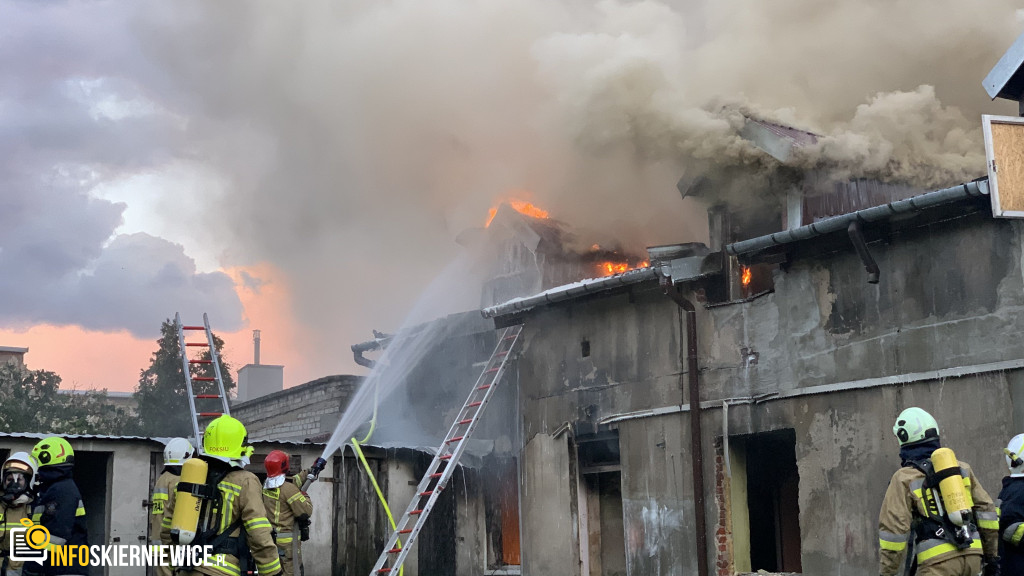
30, 401
161, 394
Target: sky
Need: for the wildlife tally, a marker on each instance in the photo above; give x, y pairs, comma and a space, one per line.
305, 168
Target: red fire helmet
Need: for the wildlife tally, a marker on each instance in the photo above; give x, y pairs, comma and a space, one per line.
276, 463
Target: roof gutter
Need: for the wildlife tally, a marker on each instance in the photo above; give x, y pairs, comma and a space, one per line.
571, 291
874, 214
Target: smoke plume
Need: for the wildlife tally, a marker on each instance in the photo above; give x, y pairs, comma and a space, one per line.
354, 140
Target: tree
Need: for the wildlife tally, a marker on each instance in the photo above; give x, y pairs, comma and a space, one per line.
30, 401
161, 394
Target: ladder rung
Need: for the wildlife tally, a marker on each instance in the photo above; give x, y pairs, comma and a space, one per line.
445, 457
436, 475
427, 493
492, 370
406, 531
193, 327
204, 378
200, 361
504, 353
474, 404
394, 551
207, 395
197, 343
383, 570
466, 421
512, 337
416, 512
211, 414
484, 387
455, 439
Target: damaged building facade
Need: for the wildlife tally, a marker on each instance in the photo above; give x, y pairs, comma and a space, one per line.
808, 343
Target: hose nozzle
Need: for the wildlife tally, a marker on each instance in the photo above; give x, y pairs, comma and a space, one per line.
314, 472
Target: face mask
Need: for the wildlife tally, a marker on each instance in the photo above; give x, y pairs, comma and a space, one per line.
15, 483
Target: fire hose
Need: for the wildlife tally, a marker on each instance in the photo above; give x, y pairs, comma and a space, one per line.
318, 467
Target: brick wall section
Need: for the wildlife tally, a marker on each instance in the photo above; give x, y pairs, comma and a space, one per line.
723, 527
297, 413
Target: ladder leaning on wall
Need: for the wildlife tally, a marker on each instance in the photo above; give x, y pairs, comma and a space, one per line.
187, 363
442, 467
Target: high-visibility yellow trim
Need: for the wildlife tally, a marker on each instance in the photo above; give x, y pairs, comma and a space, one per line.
285, 540
988, 524
227, 567
935, 551
1018, 535
894, 546
272, 566
80, 511
257, 523
297, 496
160, 496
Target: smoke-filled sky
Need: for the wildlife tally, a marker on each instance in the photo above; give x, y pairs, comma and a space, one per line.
304, 167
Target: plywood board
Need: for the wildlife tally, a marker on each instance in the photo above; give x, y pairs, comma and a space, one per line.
1004, 144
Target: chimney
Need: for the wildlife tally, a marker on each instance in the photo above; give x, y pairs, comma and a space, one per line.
256, 347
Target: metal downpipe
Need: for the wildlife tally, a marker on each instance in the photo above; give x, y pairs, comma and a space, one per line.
696, 436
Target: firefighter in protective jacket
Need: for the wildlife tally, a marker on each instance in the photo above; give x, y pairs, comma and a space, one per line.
1011, 504
287, 507
58, 506
239, 525
176, 452
17, 473
912, 511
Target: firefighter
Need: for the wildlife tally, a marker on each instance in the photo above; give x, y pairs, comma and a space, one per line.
1011, 504
16, 474
287, 508
239, 524
912, 510
58, 506
176, 452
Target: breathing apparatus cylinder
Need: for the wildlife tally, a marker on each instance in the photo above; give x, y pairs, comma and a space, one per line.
951, 487
187, 506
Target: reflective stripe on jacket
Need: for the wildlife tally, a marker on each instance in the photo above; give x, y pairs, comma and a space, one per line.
905, 502
163, 493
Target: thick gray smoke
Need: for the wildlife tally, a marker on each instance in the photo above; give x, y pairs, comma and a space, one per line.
356, 139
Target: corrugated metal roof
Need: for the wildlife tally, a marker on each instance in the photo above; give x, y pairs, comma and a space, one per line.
159, 439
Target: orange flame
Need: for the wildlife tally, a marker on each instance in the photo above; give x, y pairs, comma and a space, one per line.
608, 267
746, 276
523, 207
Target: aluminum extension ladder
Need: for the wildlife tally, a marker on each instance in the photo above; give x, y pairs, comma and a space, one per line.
187, 362
436, 479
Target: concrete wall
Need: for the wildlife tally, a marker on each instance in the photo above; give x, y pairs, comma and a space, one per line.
950, 298
306, 411
256, 380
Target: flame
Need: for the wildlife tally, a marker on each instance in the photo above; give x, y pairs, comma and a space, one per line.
608, 267
746, 276
523, 207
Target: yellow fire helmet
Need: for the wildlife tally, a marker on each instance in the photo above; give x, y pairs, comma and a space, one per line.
224, 438
53, 451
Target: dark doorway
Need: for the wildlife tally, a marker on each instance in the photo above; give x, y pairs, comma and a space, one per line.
601, 481
773, 489
92, 475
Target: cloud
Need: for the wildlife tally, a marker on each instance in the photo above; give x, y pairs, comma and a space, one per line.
74, 113
355, 140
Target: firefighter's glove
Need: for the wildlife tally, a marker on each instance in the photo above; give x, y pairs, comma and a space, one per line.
303, 522
991, 566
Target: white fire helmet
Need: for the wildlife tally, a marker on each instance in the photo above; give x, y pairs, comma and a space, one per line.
1014, 456
177, 451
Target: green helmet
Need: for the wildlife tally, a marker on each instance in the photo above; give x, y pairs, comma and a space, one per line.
224, 438
914, 425
53, 451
